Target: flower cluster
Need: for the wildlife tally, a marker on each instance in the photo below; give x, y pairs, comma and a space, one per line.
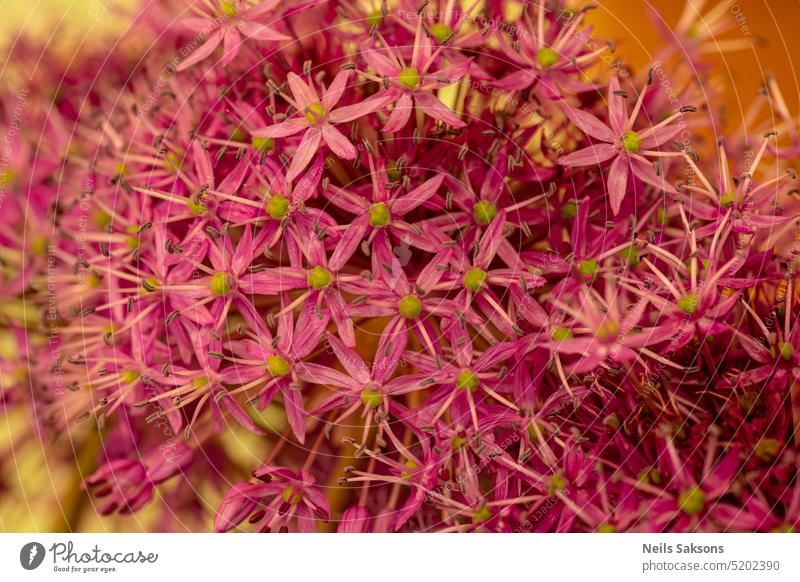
449, 276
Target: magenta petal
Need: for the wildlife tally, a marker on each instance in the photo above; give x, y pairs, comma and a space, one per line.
369, 105
309, 146
400, 114
589, 156
590, 125
295, 412
258, 31
201, 53
338, 143
617, 182
436, 109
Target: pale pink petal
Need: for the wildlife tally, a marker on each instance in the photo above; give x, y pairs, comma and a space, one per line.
338, 143
349, 359
400, 114
660, 136
590, 125
199, 25
417, 196
283, 129
616, 107
295, 412
382, 64
350, 241
436, 109
260, 31
303, 93
305, 151
335, 91
617, 182
590, 156
516, 81
646, 173
371, 104
201, 53
232, 43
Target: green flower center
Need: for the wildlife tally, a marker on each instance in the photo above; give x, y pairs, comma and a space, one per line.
410, 306
588, 267
149, 285
130, 376
631, 255
196, 205
132, 242
319, 277
238, 134
606, 528
267, 144
607, 330
728, 199
688, 303
485, 211
101, 219
221, 284
483, 514
766, 449
409, 77
292, 495
315, 113
631, 142
374, 18
173, 162
277, 366
39, 245
786, 350
457, 442
200, 382
441, 31
467, 380
278, 206
409, 465
546, 57
569, 210
475, 279
228, 8
560, 334
371, 398
557, 483
692, 501
379, 214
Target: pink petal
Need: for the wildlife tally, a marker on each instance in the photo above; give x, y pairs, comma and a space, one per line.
349, 242
417, 196
304, 94
338, 143
371, 104
309, 146
232, 43
335, 91
436, 109
295, 412
589, 156
617, 182
259, 31
201, 53
284, 129
590, 125
400, 114
616, 107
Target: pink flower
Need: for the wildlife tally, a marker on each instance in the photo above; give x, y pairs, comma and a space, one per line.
317, 117
232, 21
622, 144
